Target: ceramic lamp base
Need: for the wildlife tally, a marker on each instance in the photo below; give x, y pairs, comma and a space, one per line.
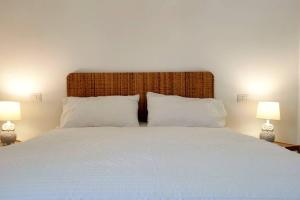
267, 135
8, 137
8, 126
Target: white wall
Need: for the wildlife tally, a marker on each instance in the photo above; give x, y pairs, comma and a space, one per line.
250, 45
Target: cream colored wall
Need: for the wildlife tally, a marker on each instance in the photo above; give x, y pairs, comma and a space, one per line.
299, 71
250, 45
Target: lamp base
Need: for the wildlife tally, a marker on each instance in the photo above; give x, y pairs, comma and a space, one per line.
267, 135
8, 137
8, 126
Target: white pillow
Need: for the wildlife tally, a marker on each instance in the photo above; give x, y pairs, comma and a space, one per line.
100, 111
164, 110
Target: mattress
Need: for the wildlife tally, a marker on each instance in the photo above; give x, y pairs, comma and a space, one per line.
148, 163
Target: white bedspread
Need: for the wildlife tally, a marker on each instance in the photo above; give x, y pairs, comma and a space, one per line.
148, 164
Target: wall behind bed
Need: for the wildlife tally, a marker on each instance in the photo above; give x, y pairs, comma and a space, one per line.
251, 46
299, 73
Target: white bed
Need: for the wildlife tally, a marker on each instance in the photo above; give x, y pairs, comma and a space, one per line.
148, 163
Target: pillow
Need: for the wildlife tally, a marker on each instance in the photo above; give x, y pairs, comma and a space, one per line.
100, 111
164, 110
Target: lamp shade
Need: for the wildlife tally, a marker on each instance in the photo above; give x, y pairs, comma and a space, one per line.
10, 110
268, 110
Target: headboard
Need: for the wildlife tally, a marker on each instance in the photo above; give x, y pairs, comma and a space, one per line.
187, 84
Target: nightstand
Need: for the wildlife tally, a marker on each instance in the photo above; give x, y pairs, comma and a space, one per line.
2, 145
291, 147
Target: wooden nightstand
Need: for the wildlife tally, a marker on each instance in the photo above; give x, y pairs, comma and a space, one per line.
291, 147
2, 145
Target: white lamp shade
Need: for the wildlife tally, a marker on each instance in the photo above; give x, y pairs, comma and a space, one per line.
10, 110
268, 110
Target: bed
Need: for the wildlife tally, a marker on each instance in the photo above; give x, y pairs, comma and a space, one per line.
146, 163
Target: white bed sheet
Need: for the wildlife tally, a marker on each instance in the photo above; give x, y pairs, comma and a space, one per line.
148, 163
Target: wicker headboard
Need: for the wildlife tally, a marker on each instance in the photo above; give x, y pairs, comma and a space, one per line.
187, 84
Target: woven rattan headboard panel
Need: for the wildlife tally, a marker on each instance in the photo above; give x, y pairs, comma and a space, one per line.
187, 84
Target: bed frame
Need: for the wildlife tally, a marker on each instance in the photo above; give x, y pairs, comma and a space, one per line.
187, 84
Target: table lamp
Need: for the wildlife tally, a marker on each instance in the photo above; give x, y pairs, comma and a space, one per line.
9, 111
268, 111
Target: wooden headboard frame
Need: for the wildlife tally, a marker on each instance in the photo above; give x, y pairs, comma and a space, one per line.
187, 84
